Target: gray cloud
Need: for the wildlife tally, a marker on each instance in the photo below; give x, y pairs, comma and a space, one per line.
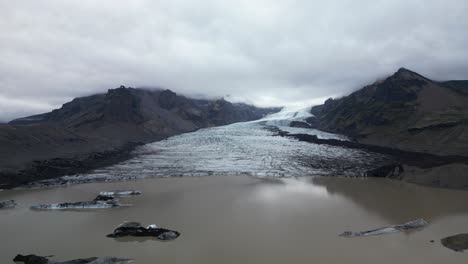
265, 52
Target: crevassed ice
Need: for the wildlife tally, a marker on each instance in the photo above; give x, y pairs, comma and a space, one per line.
286, 116
238, 149
246, 148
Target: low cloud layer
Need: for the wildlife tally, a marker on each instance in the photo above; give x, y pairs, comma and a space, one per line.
264, 52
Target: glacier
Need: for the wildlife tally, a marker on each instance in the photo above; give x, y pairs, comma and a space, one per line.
246, 148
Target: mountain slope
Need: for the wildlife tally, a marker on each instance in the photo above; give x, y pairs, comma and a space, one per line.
142, 115
406, 111
105, 122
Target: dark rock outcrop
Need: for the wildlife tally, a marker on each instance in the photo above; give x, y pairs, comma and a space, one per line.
56, 167
393, 171
300, 124
167, 99
438, 126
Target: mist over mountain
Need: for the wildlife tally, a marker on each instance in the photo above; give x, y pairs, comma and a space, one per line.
406, 111
268, 53
233, 131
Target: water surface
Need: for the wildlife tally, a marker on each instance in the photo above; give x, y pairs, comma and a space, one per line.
242, 220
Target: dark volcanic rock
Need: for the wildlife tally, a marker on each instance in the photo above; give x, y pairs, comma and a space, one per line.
53, 168
456, 243
122, 105
437, 126
299, 124
403, 86
393, 171
167, 99
135, 229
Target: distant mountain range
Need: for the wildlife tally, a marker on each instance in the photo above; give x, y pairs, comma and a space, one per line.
104, 126
129, 114
406, 111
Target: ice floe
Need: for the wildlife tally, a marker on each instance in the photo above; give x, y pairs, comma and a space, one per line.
412, 225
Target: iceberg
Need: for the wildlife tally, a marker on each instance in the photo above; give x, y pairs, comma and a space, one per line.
120, 193
412, 225
33, 259
137, 230
100, 202
7, 204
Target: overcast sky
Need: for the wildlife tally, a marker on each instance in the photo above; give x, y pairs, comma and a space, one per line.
261, 51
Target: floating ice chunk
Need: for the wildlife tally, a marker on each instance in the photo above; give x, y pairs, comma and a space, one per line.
7, 204
120, 193
137, 230
412, 225
94, 260
99, 202
168, 235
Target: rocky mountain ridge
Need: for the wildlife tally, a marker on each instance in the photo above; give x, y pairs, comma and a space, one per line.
107, 127
406, 111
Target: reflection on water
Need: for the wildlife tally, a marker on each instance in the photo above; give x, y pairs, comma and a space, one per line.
140, 239
242, 220
277, 188
397, 201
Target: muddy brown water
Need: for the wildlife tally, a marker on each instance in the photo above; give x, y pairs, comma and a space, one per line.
242, 220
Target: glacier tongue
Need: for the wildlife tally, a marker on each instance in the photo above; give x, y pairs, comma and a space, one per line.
286, 116
247, 148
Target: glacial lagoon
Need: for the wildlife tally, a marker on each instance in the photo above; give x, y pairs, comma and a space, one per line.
242, 219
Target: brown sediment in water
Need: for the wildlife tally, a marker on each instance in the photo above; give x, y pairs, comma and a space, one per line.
242, 220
